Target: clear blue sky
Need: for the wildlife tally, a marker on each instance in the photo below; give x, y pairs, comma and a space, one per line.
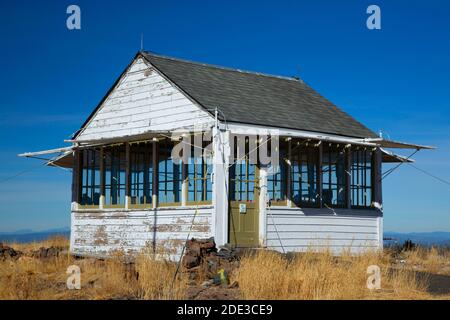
395, 80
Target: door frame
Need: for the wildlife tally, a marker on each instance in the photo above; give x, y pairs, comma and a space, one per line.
256, 209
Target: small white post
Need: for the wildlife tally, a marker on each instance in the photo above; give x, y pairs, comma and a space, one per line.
262, 205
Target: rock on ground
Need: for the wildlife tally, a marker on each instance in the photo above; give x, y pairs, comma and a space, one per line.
46, 253
8, 253
202, 260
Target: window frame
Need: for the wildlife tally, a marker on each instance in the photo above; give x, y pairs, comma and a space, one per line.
361, 167
311, 152
248, 173
167, 145
281, 177
206, 173
341, 154
144, 149
111, 152
96, 157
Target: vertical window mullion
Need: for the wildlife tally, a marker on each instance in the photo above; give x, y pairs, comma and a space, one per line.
364, 184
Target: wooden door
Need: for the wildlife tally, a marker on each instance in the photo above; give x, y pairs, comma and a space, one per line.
243, 219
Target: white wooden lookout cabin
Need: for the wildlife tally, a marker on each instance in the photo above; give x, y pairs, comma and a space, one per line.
129, 193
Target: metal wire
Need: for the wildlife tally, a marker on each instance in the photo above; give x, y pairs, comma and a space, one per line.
430, 174
387, 173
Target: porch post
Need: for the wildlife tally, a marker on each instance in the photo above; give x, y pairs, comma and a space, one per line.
102, 179
288, 174
377, 190
76, 178
348, 180
220, 186
377, 164
184, 185
127, 176
263, 172
155, 173
319, 174
184, 172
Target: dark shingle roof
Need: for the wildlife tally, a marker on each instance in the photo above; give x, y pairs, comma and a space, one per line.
255, 98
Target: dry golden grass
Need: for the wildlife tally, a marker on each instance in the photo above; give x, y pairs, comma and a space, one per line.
113, 278
156, 279
319, 275
261, 275
56, 241
431, 260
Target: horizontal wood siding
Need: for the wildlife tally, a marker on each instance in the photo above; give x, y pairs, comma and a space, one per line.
300, 230
98, 233
143, 101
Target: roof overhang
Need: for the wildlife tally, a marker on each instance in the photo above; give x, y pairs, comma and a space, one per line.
252, 129
147, 136
63, 156
390, 157
44, 152
397, 145
64, 161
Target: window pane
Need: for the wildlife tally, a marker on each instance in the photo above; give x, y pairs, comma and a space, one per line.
276, 179
169, 175
199, 174
115, 175
334, 176
90, 185
304, 174
361, 180
242, 176
141, 167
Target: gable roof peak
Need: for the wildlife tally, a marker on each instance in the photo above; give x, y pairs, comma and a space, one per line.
214, 66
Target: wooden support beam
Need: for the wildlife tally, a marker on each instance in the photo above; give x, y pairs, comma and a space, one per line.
376, 178
289, 174
146, 148
348, 176
102, 178
76, 178
155, 161
377, 191
127, 176
185, 183
319, 175
186, 153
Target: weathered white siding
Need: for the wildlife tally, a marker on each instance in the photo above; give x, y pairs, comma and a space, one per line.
303, 229
97, 233
143, 101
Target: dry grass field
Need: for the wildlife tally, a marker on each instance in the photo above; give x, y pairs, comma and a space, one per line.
261, 275
32, 278
321, 276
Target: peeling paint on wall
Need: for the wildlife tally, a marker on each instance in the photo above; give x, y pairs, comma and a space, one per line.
97, 232
100, 236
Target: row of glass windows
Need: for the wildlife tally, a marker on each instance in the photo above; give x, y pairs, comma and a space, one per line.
302, 175
169, 176
336, 174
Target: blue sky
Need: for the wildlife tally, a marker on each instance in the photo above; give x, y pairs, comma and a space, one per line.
395, 79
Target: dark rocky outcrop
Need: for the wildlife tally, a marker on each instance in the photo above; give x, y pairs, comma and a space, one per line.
202, 260
8, 253
47, 253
